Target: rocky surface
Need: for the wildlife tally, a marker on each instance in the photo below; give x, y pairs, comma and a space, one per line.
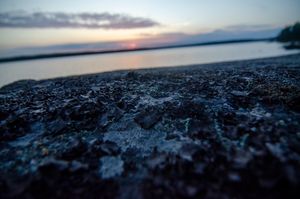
228, 130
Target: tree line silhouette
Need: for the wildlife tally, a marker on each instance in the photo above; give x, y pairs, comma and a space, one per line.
290, 33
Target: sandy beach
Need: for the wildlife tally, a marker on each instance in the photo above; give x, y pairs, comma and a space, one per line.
224, 130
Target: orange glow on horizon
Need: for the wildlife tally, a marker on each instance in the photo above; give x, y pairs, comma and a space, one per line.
132, 46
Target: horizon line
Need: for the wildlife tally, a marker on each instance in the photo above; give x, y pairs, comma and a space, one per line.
82, 53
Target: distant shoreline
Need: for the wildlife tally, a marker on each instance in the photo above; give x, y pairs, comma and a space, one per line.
69, 54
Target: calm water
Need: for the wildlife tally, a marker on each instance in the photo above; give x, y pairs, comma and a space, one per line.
58, 67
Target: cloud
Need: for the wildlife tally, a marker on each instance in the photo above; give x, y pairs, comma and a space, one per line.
104, 20
242, 27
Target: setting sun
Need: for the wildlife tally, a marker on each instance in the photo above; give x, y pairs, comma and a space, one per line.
132, 46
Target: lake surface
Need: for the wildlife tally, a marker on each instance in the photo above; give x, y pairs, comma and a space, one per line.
67, 66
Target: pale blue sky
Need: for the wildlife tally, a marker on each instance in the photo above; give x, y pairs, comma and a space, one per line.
186, 16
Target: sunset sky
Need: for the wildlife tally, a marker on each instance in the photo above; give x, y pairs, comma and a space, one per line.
52, 22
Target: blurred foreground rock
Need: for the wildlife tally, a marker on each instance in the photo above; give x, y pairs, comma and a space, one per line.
228, 130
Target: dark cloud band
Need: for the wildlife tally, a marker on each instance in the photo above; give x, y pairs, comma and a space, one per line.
72, 20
